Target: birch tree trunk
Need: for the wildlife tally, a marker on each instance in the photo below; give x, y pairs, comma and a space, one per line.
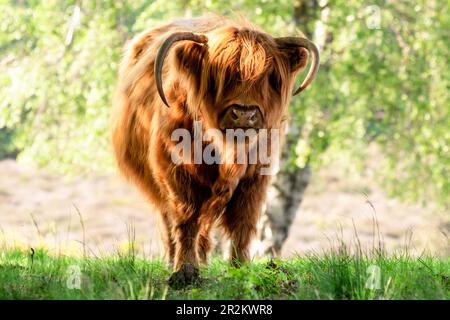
289, 185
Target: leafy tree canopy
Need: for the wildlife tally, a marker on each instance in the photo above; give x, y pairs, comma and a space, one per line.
383, 81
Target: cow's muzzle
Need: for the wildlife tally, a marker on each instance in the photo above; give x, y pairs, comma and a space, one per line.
241, 116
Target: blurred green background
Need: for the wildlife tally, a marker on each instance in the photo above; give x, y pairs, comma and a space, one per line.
381, 95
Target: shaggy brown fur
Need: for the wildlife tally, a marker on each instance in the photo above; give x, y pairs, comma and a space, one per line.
239, 64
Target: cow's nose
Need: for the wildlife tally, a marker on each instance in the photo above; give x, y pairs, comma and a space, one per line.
240, 116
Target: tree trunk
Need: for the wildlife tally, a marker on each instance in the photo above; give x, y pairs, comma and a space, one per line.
289, 185
286, 195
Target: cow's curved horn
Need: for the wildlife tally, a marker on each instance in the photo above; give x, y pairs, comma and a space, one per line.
162, 53
313, 51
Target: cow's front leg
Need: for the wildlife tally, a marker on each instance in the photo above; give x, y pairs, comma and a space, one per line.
242, 214
185, 226
204, 242
222, 192
185, 230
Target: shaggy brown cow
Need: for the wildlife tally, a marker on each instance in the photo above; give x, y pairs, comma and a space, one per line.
227, 75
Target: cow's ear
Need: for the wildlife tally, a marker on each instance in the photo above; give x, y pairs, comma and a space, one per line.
296, 56
297, 50
190, 57
174, 38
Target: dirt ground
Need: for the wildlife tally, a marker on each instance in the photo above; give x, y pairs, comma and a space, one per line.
39, 208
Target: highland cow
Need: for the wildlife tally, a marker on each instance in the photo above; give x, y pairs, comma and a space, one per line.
227, 75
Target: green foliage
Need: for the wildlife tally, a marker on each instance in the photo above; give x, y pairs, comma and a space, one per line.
385, 85
334, 275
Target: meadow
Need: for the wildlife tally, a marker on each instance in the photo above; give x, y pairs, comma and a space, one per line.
336, 274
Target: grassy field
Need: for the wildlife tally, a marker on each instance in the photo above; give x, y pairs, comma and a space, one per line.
333, 275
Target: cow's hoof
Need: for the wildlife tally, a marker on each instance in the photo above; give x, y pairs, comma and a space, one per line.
186, 275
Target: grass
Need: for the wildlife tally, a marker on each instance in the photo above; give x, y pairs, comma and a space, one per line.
336, 274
